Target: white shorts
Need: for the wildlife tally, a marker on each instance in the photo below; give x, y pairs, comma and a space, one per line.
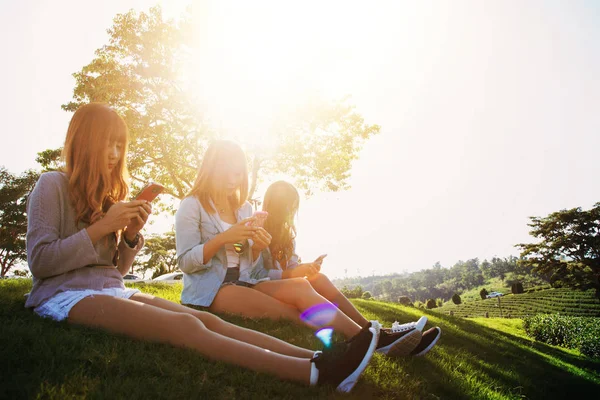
58, 306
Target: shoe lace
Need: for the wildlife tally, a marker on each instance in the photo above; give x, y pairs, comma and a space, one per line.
398, 327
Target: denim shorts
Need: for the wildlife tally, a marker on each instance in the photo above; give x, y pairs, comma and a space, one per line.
58, 306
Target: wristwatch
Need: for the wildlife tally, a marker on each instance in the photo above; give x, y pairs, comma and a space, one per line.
132, 243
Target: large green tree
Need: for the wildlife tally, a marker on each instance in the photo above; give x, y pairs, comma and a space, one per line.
14, 190
141, 73
569, 247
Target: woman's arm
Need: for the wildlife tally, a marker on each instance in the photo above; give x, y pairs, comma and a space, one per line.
47, 254
127, 255
193, 255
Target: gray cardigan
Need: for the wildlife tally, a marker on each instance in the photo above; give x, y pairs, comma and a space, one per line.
60, 254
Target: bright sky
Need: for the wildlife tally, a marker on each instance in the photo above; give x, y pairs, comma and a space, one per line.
489, 109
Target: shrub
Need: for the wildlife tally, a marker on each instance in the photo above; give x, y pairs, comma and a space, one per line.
366, 295
439, 302
431, 304
405, 300
456, 299
483, 293
581, 333
517, 288
419, 304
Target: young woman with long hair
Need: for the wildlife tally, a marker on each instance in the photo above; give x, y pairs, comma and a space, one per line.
82, 237
219, 253
280, 261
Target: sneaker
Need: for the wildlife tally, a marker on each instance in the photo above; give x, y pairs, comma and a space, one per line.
398, 344
430, 338
419, 325
342, 366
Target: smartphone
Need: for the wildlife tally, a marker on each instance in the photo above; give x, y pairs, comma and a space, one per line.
149, 192
319, 259
261, 217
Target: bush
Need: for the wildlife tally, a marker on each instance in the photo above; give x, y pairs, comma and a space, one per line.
366, 295
439, 302
456, 299
405, 300
517, 288
431, 304
419, 304
581, 333
483, 293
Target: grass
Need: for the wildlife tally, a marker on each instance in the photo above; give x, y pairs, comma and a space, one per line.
475, 358
551, 301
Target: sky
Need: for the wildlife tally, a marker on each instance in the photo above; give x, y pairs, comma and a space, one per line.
488, 110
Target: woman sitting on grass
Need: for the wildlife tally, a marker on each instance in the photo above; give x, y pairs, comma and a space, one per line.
280, 261
82, 238
219, 262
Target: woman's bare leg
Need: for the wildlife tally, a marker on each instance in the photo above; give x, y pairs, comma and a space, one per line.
298, 293
147, 322
252, 303
325, 288
225, 328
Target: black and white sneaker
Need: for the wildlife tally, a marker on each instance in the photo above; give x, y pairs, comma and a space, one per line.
398, 344
342, 365
418, 325
430, 338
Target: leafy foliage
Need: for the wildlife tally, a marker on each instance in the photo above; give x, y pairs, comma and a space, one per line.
144, 73
352, 293
572, 332
483, 293
456, 298
405, 300
431, 303
158, 254
569, 247
14, 190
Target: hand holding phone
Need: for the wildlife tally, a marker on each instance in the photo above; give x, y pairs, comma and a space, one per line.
319, 259
150, 191
259, 219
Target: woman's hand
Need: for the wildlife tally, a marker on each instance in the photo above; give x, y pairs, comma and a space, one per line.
262, 240
137, 223
302, 270
118, 216
238, 232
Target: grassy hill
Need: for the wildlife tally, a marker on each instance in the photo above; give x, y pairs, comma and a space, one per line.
549, 301
475, 358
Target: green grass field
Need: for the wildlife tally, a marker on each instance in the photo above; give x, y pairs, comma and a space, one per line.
475, 358
551, 301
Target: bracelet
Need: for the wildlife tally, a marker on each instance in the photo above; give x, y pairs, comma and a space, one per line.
134, 242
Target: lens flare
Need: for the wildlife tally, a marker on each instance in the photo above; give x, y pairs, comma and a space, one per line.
325, 335
320, 315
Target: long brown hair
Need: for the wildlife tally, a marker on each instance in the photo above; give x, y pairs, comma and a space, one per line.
92, 187
221, 157
281, 202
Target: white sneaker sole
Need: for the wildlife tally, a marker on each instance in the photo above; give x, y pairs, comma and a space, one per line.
426, 349
347, 384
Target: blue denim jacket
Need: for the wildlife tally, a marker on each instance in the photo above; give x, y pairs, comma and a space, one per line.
194, 227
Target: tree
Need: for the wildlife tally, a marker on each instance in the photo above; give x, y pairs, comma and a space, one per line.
431, 303
159, 253
483, 294
405, 300
569, 247
456, 299
366, 295
14, 190
516, 288
141, 73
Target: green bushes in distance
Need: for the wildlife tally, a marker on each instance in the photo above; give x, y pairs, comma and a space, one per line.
431, 303
483, 293
582, 333
456, 299
517, 288
405, 300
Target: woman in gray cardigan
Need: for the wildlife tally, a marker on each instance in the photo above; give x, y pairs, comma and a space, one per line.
82, 238
220, 256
